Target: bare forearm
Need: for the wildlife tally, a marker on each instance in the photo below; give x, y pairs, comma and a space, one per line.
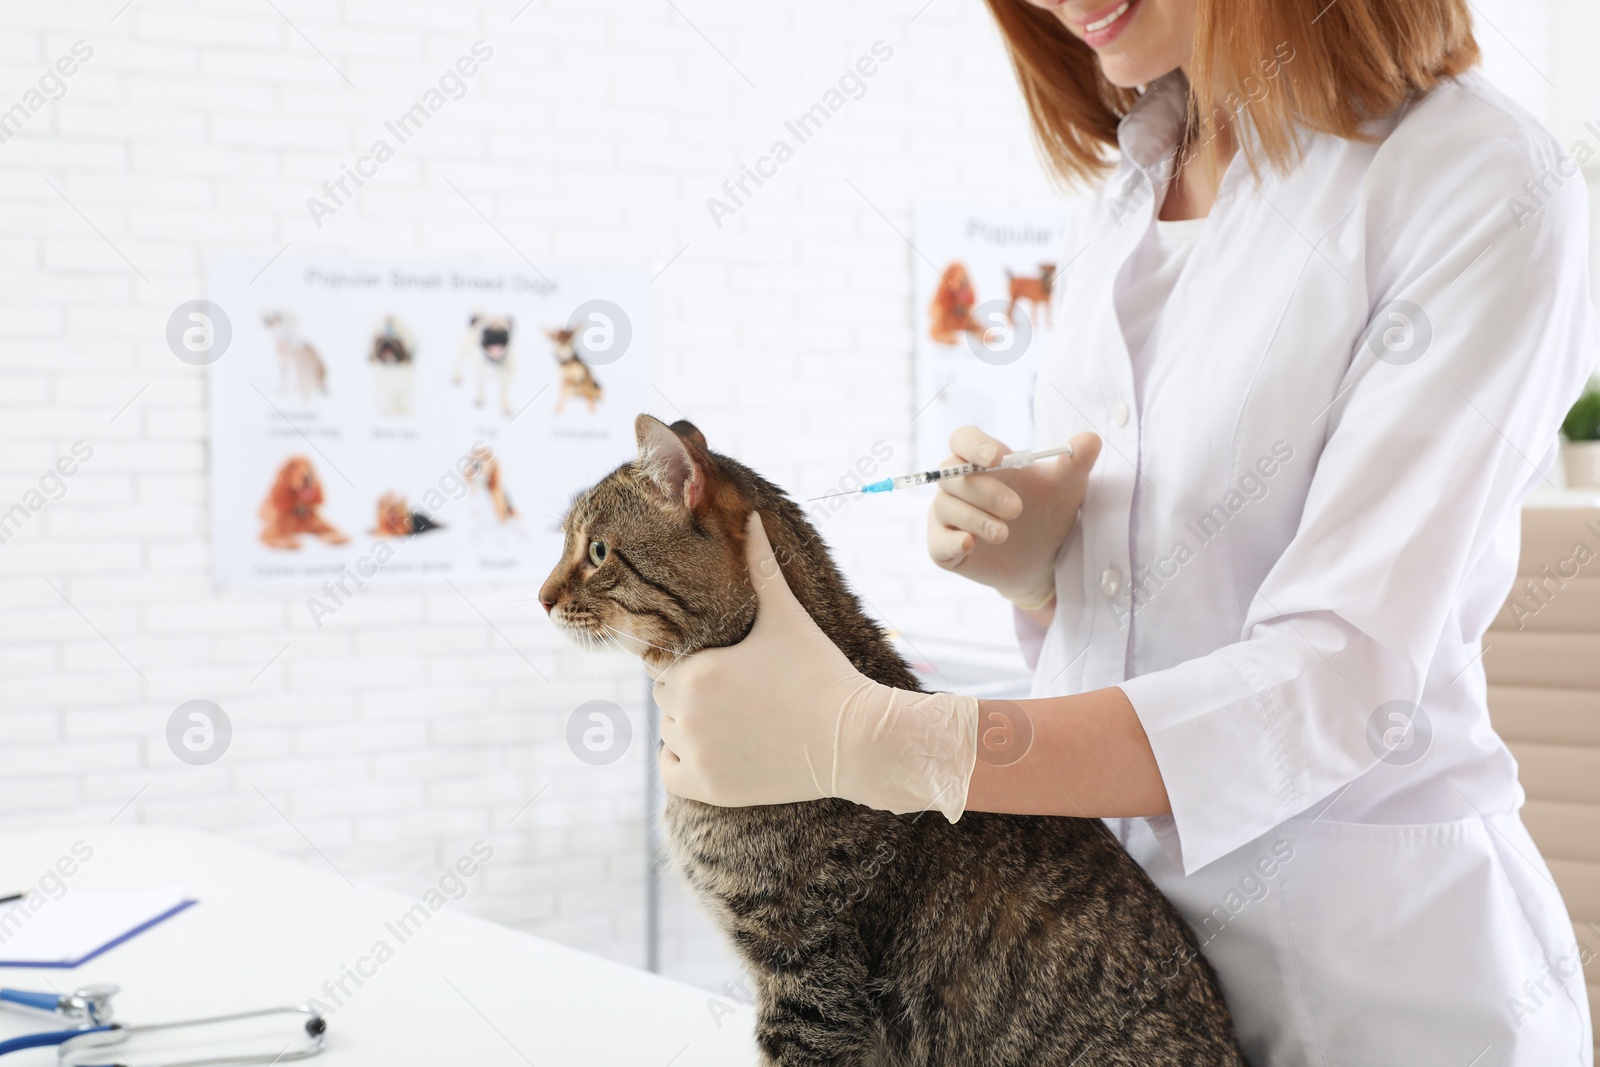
1088, 756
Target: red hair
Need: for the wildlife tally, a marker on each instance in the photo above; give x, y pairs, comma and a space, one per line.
1277, 65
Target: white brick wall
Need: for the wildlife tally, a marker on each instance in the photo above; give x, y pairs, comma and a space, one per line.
407, 728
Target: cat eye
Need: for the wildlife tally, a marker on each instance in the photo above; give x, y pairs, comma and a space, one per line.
597, 552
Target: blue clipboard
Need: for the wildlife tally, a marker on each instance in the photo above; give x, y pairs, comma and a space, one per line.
109, 945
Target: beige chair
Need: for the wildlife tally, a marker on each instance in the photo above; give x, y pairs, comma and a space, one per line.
1543, 663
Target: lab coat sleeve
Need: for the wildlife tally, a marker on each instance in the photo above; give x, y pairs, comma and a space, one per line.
1423, 461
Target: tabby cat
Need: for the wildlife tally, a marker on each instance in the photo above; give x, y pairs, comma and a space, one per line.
874, 938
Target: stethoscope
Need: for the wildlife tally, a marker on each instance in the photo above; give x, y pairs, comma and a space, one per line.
91, 1005
99, 1042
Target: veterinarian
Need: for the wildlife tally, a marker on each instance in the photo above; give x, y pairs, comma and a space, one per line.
1329, 302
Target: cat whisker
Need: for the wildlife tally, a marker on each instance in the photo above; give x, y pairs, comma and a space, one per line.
607, 642
604, 641
612, 644
676, 654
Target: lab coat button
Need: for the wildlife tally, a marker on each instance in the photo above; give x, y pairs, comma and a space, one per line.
1119, 413
1111, 582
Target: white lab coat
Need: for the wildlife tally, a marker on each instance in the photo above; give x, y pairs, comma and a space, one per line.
1289, 542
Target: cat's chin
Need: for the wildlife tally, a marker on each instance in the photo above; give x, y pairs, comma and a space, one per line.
586, 635
594, 636
655, 663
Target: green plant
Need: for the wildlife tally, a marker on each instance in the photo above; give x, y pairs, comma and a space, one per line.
1583, 421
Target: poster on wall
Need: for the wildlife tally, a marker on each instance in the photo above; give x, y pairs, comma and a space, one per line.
985, 287
425, 421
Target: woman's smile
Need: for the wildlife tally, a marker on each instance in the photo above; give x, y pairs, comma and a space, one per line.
1101, 27
1135, 41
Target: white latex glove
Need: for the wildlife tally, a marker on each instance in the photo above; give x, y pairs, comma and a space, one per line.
1004, 529
783, 716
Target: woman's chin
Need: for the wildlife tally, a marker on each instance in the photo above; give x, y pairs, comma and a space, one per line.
1127, 72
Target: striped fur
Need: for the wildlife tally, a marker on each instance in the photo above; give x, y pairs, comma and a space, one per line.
873, 938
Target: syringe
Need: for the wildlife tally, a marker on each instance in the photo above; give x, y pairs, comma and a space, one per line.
1010, 461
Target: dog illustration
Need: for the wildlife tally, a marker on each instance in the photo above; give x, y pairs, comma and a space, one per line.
296, 358
1036, 291
577, 378
483, 472
950, 313
395, 519
392, 358
291, 507
488, 346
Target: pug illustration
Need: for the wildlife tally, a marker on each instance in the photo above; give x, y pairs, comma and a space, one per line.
487, 346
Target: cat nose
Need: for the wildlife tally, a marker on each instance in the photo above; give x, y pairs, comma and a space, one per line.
550, 593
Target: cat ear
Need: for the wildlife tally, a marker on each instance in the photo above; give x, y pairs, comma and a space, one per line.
667, 460
685, 428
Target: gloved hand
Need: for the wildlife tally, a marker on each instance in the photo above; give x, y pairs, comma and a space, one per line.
1004, 529
783, 716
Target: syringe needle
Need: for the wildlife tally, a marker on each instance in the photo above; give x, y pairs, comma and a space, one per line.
1011, 461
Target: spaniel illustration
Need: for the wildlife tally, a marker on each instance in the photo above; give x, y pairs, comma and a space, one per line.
950, 313
395, 519
488, 346
392, 356
1036, 291
483, 472
296, 358
291, 508
577, 379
